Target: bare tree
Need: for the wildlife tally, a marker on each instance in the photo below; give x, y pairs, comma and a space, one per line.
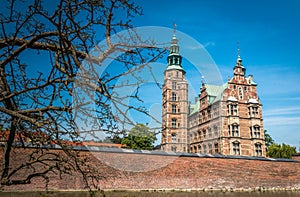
43, 44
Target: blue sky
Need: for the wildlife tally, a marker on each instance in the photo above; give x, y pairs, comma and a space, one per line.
268, 33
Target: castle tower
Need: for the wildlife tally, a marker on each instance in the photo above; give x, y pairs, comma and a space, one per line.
174, 102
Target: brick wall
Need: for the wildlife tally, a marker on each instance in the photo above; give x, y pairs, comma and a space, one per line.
148, 171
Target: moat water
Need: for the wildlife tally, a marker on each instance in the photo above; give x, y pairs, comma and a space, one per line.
155, 194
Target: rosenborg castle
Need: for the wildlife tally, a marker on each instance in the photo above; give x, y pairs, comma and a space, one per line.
224, 119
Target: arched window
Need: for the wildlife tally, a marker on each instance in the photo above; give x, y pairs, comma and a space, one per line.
234, 130
204, 134
199, 135
236, 148
258, 149
199, 149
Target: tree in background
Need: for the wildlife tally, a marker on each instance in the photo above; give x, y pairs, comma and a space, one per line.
268, 139
140, 137
42, 46
281, 151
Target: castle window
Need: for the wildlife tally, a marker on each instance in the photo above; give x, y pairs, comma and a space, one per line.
216, 148
216, 130
199, 149
210, 148
199, 135
232, 109
178, 110
204, 134
234, 130
173, 148
204, 148
174, 122
236, 148
253, 111
195, 149
174, 84
256, 131
195, 136
209, 132
173, 96
241, 93
258, 150
209, 112
177, 74
173, 137
173, 108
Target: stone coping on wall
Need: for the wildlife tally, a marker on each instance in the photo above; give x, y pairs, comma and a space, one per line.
158, 152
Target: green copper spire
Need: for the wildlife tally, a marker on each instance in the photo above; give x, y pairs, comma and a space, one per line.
174, 58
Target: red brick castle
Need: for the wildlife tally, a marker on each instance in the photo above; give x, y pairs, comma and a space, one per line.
225, 119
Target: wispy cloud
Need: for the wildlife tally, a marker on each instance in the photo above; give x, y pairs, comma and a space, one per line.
205, 45
209, 44
284, 99
282, 111
282, 120
282, 116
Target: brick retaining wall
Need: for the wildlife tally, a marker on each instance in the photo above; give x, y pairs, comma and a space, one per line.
158, 171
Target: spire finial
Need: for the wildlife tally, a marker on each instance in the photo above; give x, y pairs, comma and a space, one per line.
174, 28
203, 81
239, 51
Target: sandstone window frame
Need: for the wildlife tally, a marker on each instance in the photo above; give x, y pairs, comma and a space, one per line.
232, 109
174, 122
234, 130
174, 137
256, 131
174, 85
236, 150
174, 96
174, 108
258, 149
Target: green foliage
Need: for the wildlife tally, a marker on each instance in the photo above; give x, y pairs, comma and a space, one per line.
268, 139
281, 151
140, 137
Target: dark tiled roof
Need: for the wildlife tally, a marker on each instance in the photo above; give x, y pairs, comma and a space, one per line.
160, 152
